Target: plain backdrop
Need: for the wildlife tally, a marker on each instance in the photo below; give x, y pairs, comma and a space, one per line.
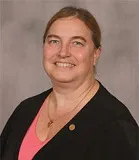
22, 27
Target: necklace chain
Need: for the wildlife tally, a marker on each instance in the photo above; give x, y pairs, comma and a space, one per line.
51, 121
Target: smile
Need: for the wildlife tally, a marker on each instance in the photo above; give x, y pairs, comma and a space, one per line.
61, 64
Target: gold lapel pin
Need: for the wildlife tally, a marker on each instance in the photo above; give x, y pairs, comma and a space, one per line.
71, 127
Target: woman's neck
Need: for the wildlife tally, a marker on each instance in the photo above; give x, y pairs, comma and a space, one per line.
62, 98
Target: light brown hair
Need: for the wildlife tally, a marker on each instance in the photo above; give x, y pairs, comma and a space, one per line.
82, 14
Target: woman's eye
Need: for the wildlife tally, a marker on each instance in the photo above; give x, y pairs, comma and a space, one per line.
53, 42
77, 43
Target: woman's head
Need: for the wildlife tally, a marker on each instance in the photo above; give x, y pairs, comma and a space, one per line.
71, 46
81, 14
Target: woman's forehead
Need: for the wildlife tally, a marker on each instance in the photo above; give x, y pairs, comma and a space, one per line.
70, 26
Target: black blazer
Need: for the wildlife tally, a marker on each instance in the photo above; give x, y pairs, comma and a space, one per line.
104, 130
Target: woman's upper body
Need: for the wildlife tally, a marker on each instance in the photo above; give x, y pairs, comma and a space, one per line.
99, 121
104, 129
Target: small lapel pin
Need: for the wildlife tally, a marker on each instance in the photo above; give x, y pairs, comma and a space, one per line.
71, 127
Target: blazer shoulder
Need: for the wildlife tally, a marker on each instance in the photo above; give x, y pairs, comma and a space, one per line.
35, 100
28, 106
111, 107
40, 96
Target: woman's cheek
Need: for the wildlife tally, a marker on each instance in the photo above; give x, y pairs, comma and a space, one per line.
78, 52
51, 50
48, 52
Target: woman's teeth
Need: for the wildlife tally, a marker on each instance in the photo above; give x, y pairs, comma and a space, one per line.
60, 64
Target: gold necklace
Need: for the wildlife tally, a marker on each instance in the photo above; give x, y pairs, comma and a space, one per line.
51, 121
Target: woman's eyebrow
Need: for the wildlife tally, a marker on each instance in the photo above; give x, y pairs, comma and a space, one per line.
72, 38
79, 37
53, 36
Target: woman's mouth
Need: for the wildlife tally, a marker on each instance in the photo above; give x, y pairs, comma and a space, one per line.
64, 64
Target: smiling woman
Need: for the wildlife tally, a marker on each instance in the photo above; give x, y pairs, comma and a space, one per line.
77, 118
69, 52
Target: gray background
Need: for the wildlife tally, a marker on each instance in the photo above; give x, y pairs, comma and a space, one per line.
22, 26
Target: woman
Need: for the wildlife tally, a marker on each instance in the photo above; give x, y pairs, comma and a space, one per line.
78, 118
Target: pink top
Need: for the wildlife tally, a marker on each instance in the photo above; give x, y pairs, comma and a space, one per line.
31, 144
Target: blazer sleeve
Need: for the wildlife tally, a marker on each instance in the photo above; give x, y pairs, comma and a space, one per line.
117, 141
7, 131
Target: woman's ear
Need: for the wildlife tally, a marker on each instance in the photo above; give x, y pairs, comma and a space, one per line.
97, 53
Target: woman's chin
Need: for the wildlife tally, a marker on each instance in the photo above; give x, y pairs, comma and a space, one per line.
61, 79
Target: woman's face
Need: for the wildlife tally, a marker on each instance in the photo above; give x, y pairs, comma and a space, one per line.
69, 52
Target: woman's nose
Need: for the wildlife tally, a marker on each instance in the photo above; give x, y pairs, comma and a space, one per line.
64, 51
